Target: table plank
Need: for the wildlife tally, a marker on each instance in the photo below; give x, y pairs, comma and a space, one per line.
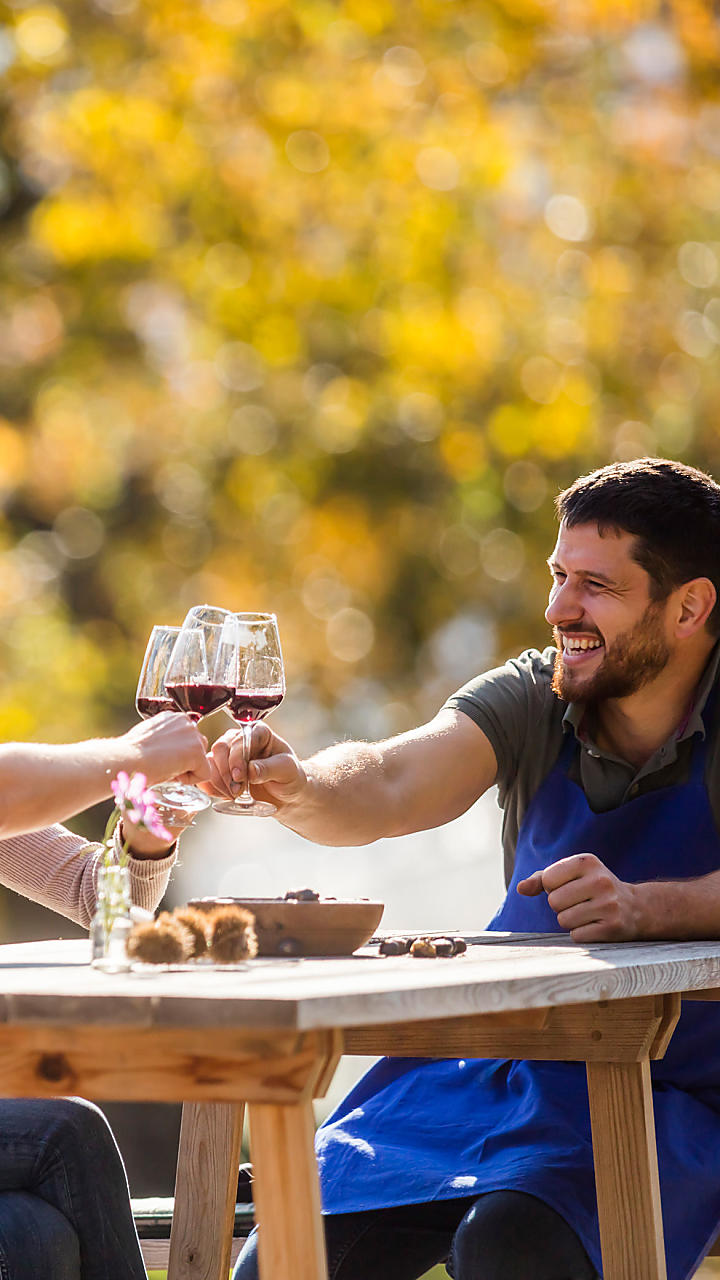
53, 983
603, 1031
161, 1065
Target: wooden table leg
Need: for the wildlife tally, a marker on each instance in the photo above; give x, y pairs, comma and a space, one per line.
626, 1170
208, 1159
291, 1241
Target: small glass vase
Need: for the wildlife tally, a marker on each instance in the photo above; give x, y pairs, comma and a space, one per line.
111, 925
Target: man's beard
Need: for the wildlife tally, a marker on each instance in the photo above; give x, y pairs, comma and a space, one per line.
636, 657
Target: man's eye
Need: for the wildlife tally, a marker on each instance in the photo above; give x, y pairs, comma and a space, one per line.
598, 585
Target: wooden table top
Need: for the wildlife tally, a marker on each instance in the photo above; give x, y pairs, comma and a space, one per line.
53, 982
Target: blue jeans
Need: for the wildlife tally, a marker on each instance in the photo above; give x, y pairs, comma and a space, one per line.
64, 1201
498, 1235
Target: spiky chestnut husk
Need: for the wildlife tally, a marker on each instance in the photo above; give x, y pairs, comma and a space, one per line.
231, 935
196, 923
161, 941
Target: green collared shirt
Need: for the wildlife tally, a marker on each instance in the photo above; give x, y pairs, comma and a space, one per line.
525, 722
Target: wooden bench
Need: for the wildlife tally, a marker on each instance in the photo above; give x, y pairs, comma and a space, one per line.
153, 1219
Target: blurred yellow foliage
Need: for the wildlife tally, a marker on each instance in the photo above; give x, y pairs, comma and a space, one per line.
313, 306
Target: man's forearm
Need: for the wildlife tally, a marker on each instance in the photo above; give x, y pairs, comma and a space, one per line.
346, 800
43, 784
678, 909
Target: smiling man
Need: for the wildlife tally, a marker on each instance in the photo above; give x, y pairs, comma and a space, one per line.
604, 749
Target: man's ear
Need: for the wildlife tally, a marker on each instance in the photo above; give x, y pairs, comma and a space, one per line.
696, 603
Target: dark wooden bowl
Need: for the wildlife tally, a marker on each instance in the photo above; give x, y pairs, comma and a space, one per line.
328, 927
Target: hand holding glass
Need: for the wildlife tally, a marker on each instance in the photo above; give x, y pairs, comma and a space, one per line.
259, 687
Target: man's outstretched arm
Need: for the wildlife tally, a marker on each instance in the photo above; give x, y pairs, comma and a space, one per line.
357, 792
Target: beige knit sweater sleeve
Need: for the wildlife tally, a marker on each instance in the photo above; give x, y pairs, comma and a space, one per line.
57, 868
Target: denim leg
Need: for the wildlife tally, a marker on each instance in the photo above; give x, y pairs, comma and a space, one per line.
36, 1240
63, 1151
401, 1243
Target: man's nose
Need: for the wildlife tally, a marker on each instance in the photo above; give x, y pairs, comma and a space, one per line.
564, 605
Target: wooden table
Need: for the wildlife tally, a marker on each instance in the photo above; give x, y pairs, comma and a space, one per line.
270, 1035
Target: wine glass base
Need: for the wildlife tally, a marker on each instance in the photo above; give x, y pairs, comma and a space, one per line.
258, 808
181, 796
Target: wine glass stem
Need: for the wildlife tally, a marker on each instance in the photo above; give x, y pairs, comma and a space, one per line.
246, 796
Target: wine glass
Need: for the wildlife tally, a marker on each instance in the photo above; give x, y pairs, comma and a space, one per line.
151, 698
259, 688
200, 673
202, 615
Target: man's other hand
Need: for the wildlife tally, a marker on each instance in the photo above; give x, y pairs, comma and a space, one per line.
168, 746
275, 773
588, 900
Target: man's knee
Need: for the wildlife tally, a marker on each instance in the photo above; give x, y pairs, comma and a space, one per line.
510, 1233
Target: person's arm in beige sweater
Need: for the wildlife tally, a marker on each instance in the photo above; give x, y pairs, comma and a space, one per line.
58, 869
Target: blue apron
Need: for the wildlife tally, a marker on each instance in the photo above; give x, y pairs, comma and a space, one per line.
415, 1129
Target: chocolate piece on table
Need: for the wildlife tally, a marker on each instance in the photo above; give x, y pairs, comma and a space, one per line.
444, 946
392, 947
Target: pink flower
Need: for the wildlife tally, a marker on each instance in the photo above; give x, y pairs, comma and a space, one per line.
137, 803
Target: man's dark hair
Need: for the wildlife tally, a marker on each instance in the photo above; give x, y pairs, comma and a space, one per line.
672, 510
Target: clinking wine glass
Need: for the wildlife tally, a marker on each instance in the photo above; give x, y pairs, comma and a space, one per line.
259, 688
201, 669
151, 698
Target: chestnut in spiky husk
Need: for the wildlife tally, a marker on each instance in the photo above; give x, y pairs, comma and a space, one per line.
196, 923
231, 935
161, 941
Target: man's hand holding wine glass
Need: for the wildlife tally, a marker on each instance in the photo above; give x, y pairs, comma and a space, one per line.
274, 772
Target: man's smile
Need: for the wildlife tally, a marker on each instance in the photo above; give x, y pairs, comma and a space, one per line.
580, 650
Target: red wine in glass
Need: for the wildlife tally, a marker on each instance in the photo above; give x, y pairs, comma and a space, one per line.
247, 705
147, 707
199, 700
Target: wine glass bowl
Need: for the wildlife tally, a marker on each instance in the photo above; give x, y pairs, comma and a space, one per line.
152, 697
200, 672
259, 687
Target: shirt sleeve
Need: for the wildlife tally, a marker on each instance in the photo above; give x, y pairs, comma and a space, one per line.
57, 868
511, 704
